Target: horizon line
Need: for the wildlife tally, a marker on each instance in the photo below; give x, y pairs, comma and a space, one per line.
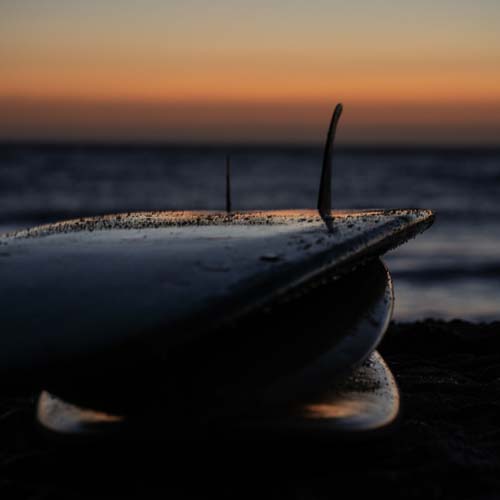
160, 143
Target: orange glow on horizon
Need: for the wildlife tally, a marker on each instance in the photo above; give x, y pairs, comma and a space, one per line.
238, 72
246, 121
253, 86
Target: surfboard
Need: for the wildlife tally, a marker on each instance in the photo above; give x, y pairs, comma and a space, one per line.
126, 312
157, 281
274, 357
366, 402
63, 284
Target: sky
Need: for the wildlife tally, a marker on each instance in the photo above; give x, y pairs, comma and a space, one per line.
261, 71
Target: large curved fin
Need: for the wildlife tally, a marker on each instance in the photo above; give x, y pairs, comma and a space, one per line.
325, 186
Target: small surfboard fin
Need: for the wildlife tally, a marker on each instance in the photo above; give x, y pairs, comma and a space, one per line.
228, 184
325, 185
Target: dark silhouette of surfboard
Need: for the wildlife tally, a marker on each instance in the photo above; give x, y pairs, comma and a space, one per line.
224, 310
165, 279
286, 381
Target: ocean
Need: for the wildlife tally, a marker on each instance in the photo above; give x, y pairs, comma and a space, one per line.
451, 271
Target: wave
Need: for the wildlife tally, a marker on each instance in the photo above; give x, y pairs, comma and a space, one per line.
490, 271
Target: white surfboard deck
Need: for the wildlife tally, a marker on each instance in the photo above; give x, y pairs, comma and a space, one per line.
71, 288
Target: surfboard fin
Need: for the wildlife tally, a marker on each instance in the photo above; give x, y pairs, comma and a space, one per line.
228, 184
325, 185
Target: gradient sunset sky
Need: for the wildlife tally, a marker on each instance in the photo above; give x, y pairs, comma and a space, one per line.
258, 71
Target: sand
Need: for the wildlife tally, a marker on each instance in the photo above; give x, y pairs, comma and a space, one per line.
447, 443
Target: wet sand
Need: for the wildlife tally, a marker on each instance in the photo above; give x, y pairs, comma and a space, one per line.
446, 445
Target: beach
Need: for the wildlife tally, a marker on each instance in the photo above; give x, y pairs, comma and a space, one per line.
445, 445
